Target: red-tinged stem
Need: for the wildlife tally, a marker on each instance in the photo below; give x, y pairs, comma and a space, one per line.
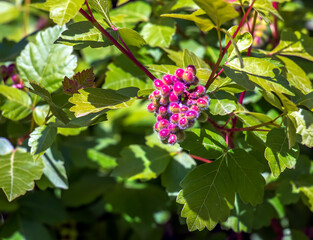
119, 46
252, 31
209, 82
275, 26
200, 158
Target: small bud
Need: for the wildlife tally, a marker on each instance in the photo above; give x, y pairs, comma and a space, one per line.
164, 101
158, 84
174, 108
151, 108
162, 110
165, 90
11, 69
155, 103
167, 79
174, 118
173, 97
179, 73
163, 123
189, 102
156, 94
179, 88
164, 133
189, 77
203, 117
172, 139
190, 115
202, 103
191, 68
183, 123
183, 108
151, 97
172, 127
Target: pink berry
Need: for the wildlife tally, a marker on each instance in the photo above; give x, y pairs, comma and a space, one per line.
15, 78
174, 118
156, 127
165, 90
174, 79
183, 122
200, 90
162, 110
178, 88
164, 101
164, 133
159, 117
172, 127
156, 93
151, 108
163, 123
191, 115
172, 139
167, 79
183, 108
173, 97
189, 77
179, 73
174, 108
202, 103
194, 108
158, 83
191, 68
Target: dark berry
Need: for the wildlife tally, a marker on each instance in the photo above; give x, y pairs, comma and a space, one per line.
191, 68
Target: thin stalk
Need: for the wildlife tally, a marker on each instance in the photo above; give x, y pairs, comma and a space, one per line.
200, 158
119, 46
210, 80
252, 31
275, 26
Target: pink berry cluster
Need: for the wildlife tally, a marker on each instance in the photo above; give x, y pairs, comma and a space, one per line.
176, 104
11, 72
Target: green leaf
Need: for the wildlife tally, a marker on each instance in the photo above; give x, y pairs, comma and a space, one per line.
277, 152
159, 35
243, 41
176, 170
62, 11
46, 63
291, 133
246, 176
8, 12
17, 104
165, 69
204, 24
131, 13
104, 160
206, 195
93, 100
303, 121
41, 139
40, 113
103, 7
145, 92
306, 100
265, 8
10, 50
295, 44
259, 71
18, 171
131, 37
296, 76
5, 146
204, 143
218, 10
83, 34
307, 196
54, 168
117, 78
222, 103
176, 56
189, 58
141, 162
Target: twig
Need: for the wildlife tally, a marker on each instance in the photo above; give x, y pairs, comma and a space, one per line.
200, 158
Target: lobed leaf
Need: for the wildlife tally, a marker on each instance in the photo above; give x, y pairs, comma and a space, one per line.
80, 80
41, 139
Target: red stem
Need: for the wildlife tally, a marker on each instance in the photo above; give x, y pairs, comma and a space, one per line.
200, 158
227, 46
119, 46
275, 26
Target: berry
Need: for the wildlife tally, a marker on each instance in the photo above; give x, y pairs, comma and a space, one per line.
159, 117
162, 110
158, 83
172, 127
183, 122
200, 90
164, 101
151, 108
174, 79
156, 127
190, 115
173, 97
155, 102
196, 81
179, 73
163, 123
175, 118
191, 68
178, 88
156, 94
167, 79
172, 139
194, 108
174, 108
165, 90
189, 77
164, 133
183, 108
202, 103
